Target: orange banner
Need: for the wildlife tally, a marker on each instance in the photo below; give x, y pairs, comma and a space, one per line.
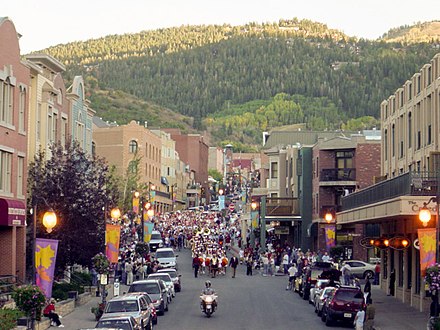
112, 238
427, 242
135, 205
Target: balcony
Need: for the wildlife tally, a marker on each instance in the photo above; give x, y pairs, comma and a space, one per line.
412, 184
279, 206
337, 175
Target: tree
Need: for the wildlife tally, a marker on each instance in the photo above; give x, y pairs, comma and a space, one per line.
79, 189
216, 175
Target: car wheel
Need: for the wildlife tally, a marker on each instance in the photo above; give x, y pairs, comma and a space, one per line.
368, 274
162, 308
155, 320
166, 308
150, 324
322, 316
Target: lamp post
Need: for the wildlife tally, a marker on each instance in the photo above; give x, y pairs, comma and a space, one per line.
254, 206
263, 224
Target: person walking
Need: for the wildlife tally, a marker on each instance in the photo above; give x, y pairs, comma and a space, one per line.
359, 319
376, 274
129, 272
196, 265
285, 263
233, 263
249, 264
367, 290
49, 312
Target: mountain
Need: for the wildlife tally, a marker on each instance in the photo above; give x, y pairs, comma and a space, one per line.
420, 32
236, 81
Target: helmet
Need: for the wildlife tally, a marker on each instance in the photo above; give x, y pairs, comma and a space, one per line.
208, 284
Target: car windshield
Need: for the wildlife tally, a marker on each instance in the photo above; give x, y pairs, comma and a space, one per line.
117, 324
163, 277
345, 295
122, 306
165, 254
156, 236
144, 287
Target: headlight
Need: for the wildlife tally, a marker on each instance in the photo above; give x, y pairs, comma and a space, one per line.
209, 299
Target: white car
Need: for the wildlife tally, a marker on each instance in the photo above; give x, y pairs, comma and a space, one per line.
320, 301
168, 282
166, 258
360, 269
315, 292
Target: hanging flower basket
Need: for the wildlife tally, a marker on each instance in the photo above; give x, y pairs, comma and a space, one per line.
432, 278
101, 263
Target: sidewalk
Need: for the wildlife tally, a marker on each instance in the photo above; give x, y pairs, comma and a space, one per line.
391, 314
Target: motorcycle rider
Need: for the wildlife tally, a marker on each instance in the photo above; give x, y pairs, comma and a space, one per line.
208, 290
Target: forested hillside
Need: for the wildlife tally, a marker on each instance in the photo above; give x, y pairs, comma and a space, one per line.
324, 77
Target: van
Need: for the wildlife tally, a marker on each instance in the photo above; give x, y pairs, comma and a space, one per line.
166, 258
155, 240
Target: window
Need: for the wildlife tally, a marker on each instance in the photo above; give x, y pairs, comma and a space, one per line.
419, 84
419, 140
274, 170
429, 134
63, 131
49, 127
21, 109
38, 122
393, 140
409, 130
132, 167
132, 147
429, 74
386, 144
409, 91
401, 99
5, 171
6, 102
60, 97
20, 169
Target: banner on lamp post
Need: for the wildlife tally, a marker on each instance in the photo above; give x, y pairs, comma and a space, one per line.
45, 257
135, 205
330, 236
221, 202
254, 219
112, 241
148, 229
427, 244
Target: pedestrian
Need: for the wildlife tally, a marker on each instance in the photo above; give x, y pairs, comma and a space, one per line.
392, 282
292, 276
129, 272
433, 311
249, 264
376, 274
49, 312
265, 261
346, 274
233, 263
196, 265
359, 320
370, 313
285, 263
94, 277
367, 290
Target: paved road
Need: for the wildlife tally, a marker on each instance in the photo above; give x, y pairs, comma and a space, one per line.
253, 303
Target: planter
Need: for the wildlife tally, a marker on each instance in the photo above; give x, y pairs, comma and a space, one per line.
72, 295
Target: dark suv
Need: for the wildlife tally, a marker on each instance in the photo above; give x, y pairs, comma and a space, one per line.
343, 305
311, 275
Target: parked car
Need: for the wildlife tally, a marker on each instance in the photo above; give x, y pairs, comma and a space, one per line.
133, 304
168, 281
360, 268
166, 258
320, 300
311, 275
123, 322
156, 241
316, 290
342, 305
174, 277
157, 291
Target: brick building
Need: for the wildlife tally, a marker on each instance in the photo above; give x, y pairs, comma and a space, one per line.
14, 100
341, 166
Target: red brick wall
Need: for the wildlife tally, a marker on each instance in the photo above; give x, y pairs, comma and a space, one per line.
367, 162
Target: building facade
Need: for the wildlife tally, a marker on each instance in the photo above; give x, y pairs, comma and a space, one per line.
410, 148
49, 108
14, 101
341, 166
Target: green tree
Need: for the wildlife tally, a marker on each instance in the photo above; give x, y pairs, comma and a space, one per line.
216, 175
78, 188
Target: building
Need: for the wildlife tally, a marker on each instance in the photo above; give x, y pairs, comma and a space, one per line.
409, 166
81, 115
134, 148
215, 159
49, 107
340, 166
14, 101
194, 152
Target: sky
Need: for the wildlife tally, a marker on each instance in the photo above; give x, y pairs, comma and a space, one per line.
44, 23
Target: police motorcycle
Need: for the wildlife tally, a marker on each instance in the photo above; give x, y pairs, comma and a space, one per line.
208, 303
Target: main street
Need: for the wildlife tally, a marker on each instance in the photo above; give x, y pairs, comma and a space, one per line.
245, 302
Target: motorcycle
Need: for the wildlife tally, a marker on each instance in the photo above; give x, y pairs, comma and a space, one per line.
208, 304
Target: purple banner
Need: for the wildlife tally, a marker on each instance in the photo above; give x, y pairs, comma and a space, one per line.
330, 236
45, 257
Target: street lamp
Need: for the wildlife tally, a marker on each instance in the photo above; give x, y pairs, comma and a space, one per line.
49, 220
115, 213
254, 206
330, 217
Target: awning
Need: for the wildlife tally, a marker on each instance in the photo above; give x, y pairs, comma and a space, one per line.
312, 229
12, 212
